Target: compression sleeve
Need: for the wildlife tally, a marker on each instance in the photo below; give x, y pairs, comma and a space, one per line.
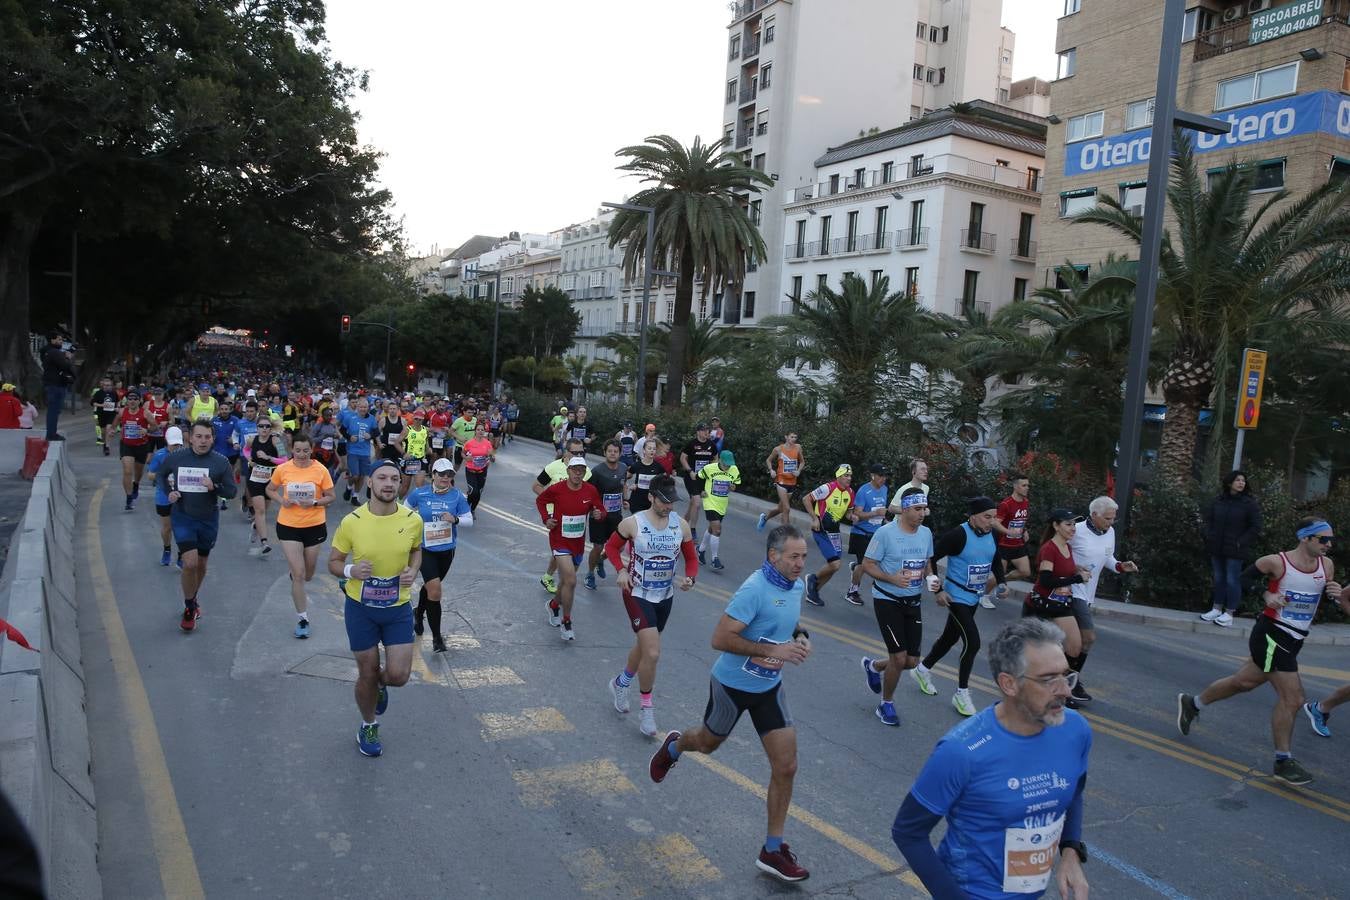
690, 558
613, 549
1047, 579
1252, 577
913, 823
951, 543
543, 479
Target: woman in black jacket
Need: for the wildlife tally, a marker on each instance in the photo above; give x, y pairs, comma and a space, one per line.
1232, 525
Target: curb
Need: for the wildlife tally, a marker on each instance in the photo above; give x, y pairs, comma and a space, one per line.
45, 758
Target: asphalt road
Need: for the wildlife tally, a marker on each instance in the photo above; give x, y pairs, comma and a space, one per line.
226, 765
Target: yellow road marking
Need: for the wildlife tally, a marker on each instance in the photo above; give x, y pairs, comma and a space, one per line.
177, 866
424, 673
541, 720
487, 676
592, 870
679, 859
541, 787
461, 642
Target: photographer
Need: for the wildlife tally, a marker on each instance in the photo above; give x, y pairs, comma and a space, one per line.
58, 374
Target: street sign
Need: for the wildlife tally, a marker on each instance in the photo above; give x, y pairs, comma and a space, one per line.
1279, 21
1248, 412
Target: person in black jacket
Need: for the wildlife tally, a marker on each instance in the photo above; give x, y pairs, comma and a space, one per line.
1232, 525
58, 374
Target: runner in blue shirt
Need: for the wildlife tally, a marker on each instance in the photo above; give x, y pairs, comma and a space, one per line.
173, 440
869, 514
358, 427
244, 430
223, 425
443, 509
1009, 781
764, 611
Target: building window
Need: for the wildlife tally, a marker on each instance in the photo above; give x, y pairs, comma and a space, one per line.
726, 133
916, 166
1132, 197
1019, 289
796, 293
756, 206
1071, 203
873, 277
735, 47
834, 184
801, 237
731, 91
1267, 175
1084, 127
1024, 245
915, 219
765, 76
912, 282
1062, 285
1139, 114
749, 306
1072, 6
970, 285
942, 75
887, 172
759, 162
1068, 63
922, 31
879, 226
762, 123
824, 233
1198, 20
1340, 170
918, 72
822, 282
944, 33
933, 33
768, 30
852, 231
931, 76
1261, 85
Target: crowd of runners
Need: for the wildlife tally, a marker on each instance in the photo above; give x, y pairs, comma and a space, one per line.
411, 470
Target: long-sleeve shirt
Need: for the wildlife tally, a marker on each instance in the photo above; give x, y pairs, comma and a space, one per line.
1093, 551
183, 471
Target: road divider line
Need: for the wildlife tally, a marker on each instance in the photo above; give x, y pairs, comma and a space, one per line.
168, 835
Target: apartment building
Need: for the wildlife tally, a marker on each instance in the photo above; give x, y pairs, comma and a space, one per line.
591, 276
945, 207
802, 74
1278, 73
524, 269
507, 255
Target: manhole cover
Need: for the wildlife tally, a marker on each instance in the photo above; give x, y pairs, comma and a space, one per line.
338, 668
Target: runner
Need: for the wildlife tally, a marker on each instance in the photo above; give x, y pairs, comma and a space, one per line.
173, 438
647, 584
303, 490
828, 506
358, 428
1010, 783
464, 427
1318, 711
555, 427
1295, 582
563, 508
439, 425
969, 548
648, 436
104, 402
384, 541
266, 451
1094, 547
918, 477
415, 442
203, 405
897, 558
720, 478
646, 469
224, 426
580, 429
443, 510
766, 609
512, 416
1011, 528
695, 455
1051, 597
611, 480
244, 430
325, 437
133, 429
479, 453
785, 465
196, 477
627, 439
552, 474
716, 434
159, 417
391, 431
869, 514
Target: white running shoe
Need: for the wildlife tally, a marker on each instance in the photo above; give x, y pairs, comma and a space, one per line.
554, 613
987, 602
620, 695
961, 700
925, 683
647, 722
1225, 620
566, 633
1211, 615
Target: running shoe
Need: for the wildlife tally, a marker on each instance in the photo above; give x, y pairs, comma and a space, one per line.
549, 583
382, 702
1289, 770
1211, 615
600, 568
701, 558
590, 581
106, 451
1224, 620
346, 494
620, 695
368, 740
812, 592
1186, 713
717, 563
166, 558
961, 701
437, 644
852, 596
763, 520
554, 613
661, 760
647, 721
987, 602
1317, 718
302, 628
567, 634
223, 505
1080, 693
128, 507
781, 864
873, 678
266, 549
190, 616
887, 714
1001, 592
922, 679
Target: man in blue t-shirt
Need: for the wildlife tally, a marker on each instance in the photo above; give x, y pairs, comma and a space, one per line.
869, 514
357, 427
748, 677
899, 559
1009, 781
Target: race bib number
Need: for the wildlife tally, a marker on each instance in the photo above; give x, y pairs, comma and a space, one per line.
412, 466
301, 491
977, 577
613, 503
437, 534
657, 574
579, 432
192, 480
261, 474
789, 465
380, 592
328, 443
480, 462
1029, 857
1299, 608
836, 540
878, 515
644, 482
1016, 530
363, 432
721, 488
574, 526
438, 443
770, 667
698, 465
911, 574
110, 406
131, 431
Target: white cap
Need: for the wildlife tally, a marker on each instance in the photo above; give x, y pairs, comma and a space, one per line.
577, 461
173, 435
443, 465
251, 393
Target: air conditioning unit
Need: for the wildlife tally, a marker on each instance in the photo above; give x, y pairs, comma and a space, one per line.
1256, 6
1232, 14
1136, 210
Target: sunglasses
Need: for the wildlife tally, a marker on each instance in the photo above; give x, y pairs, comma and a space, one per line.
1325, 539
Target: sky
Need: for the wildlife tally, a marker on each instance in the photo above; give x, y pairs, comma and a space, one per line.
501, 116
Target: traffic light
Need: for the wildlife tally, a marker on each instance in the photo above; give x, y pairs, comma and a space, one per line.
411, 368
346, 324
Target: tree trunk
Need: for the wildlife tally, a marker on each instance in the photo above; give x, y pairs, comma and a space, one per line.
1176, 452
679, 332
1293, 452
18, 231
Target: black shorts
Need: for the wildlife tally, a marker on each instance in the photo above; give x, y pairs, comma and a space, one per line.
901, 625
644, 613
1272, 648
693, 485
768, 710
1038, 607
138, 452
857, 543
414, 465
601, 529
308, 536
157, 442
256, 488
341, 448
104, 418
1011, 553
712, 515
162, 510
436, 563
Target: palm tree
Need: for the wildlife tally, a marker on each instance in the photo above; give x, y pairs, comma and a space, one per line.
584, 374
706, 343
702, 227
1229, 273
624, 369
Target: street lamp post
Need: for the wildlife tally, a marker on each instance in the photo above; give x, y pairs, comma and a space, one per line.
496, 326
646, 292
389, 332
1166, 117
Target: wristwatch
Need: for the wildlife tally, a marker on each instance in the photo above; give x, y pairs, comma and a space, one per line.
1076, 846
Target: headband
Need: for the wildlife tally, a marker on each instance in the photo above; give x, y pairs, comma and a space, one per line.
1312, 529
919, 499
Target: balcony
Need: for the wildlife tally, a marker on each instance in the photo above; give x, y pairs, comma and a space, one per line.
1237, 34
912, 239
982, 307
751, 49
977, 241
1024, 250
741, 10
944, 164
744, 139
860, 243
803, 250
747, 94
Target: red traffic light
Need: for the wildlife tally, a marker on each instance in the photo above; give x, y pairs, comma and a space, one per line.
411, 368
346, 324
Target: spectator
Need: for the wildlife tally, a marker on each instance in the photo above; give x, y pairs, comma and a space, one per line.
58, 374
11, 409
1232, 525
29, 414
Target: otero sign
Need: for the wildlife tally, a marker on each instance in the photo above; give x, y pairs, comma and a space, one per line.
1326, 112
1278, 21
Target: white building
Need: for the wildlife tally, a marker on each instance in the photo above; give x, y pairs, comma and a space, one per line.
817, 72
591, 275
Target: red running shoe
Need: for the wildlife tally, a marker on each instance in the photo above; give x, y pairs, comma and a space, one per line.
781, 864
190, 616
662, 760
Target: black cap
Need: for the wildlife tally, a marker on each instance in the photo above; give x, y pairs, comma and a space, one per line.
701, 426
663, 489
1062, 514
977, 505
878, 469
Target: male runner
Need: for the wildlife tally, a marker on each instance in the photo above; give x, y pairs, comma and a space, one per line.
647, 584
203, 405
479, 453
303, 489
196, 476
969, 549
415, 443
642, 473
627, 439
464, 427
1295, 581
765, 610
358, 428
443, 509
828, 506
1010, 783
610, 478
158, 416
785, 465
898, 559
244, 430
918, 477
133, 428
1011, 528
325, 435
869, 514
173, 438
555, 427
580, 429
512, 417
439, 425
384, 541
223, 443
552, 474
695, 455
720, 478
563, 508
104, 402
1094, 547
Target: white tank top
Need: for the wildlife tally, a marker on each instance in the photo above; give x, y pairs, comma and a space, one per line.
1302, 592
651, 561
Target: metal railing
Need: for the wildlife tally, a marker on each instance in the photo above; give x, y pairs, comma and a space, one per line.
944, 164
747, 94
751, 49
984, 307
911, 238
862, 243
977, 240
1237, 34
1024, 250
802, 249
741, 10
743, 139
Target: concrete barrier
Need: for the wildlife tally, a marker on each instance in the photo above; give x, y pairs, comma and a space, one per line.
45, 764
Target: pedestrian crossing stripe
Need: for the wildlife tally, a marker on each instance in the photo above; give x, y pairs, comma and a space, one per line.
679, 860
540, 720
595, 876
540, 787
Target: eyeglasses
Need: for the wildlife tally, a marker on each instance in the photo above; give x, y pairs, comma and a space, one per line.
1070, 679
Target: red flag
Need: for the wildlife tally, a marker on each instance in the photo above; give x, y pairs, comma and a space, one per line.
14, 634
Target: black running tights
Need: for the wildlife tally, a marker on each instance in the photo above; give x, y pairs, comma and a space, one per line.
960, 627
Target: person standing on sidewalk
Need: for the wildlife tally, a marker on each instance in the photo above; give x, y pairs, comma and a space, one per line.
58, 374
1232, 525
1094, 548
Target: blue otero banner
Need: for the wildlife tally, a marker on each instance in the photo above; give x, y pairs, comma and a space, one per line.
1322, 111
